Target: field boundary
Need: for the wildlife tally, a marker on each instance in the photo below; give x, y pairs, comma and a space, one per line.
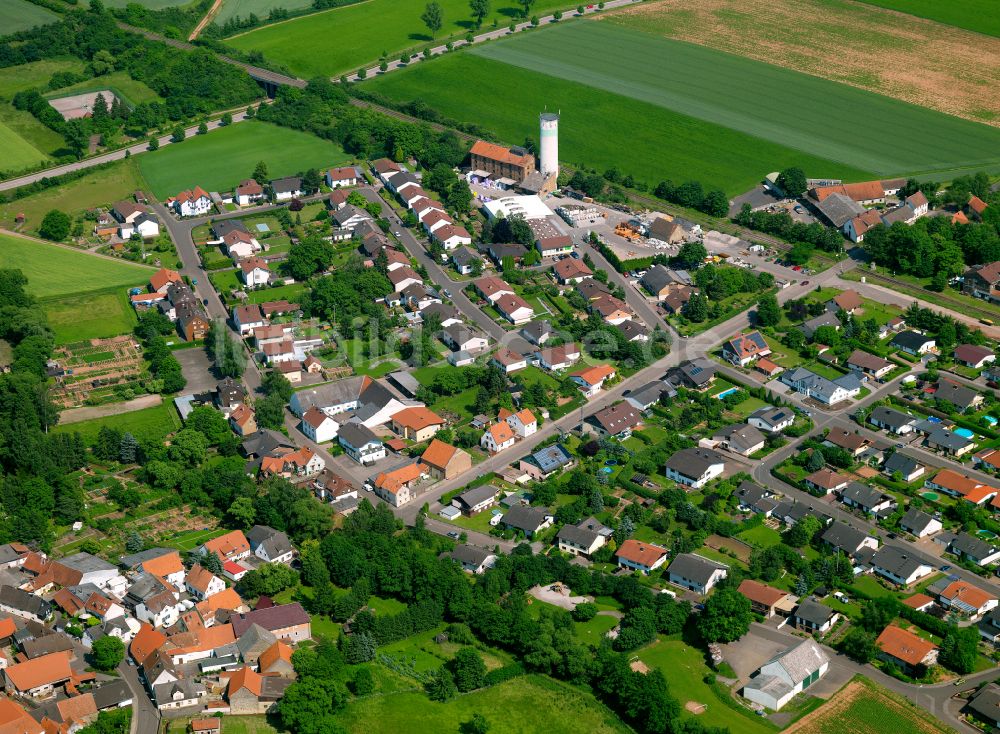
64, 246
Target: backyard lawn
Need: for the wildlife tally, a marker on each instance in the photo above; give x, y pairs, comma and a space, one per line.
191, 539
761, 536
592, 632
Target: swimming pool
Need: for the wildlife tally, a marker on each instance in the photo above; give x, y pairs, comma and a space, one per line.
607, 469
724, 393
963, 432
931, 496
990, 419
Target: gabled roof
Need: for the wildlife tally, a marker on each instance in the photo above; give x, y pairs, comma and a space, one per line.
501, 432
357, 435
915, 520
973, 353
594, 375
904, 645
867, 361
639, 553
747, 345
910, 340
761, 593
524, 518
47, 669
843, 537
695, 568
229, 544
694, 462
810, 610
417, 418
617, 418
244, 678
895, 561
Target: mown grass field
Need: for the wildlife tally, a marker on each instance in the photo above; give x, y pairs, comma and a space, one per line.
981, 16
89, 316
864, 707
600, 129
149, 423
120, 82
222, 158
243, 8
18, 153
58, 271
684, 668
528, 705
44, 139
105, 186
151, 4
20, 15
782, 106
365, 31
36, 74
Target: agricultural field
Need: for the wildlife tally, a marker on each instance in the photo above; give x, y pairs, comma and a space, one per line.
520, 706
89, 316
35, 74
303, 44
20, 15
863, 707
53, 270
974, 15
151, 4
132, 91
908, 58
152, 423
221, 159
44, 139
105, 186
785, 107
261, 8
18, 153
665, 145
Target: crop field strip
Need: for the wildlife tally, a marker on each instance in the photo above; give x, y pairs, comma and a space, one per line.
904, 57
333, 42
981, 16
17, 153
800, 111
261, 8
223, 158
660, 143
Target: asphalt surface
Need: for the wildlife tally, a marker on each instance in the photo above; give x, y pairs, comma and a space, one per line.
145, 716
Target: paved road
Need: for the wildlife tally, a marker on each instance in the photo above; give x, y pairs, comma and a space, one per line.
437, 275
115, 155
492, 35
145, 716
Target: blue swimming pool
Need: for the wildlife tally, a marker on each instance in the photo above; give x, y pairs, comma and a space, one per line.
607, 469
990, 419
724, 393
963, 432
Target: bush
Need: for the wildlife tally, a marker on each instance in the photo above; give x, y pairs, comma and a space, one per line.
506, 673
584, 612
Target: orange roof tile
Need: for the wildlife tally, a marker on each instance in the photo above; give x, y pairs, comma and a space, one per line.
47, 669
226, 599
499, 153
904, 645
917, 601
395, 480
971, 595
244, 678
417, 417
761, 593
643, 554
7, 627
229, 544
164, 565
164, 277
77, 708
199, 578
145, 643
438, 454
278, 651
15, 720
501, 433
594, 375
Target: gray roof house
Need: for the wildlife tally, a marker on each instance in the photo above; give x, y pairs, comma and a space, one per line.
919, 523
695, 467
891, 419
867, 499
908, 466
472, 558
898, 566
847, 539
941, 439
812, 616
740, 438
838, 209
529, 520
821, 388
771, 419
974, 549
696, 573
269, 544
825, 319
645, 397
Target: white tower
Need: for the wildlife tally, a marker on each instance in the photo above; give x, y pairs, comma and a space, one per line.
549, 136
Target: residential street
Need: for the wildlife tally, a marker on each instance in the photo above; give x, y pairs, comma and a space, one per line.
145, 717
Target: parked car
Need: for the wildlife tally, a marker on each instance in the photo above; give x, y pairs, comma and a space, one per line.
453, 534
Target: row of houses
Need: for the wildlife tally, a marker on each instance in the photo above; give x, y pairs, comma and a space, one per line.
172, 296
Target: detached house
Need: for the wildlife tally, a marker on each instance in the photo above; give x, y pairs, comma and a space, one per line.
983, 281
974, 355
813, 617
637, 556
912, 653
740, 438
191, 203
445, 461
528, 520
396, 486
913, 343
695, 467
743, 349
898, 566
285, 189
892, 420
591, 379
249, 192
787, 674
523, 422
361, 444
202, 583
585, 538
867, 499
345, 176
498, 437
869, 365
416, 423
254, 272
696, 573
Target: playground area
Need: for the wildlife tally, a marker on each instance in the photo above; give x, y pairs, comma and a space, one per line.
97, 370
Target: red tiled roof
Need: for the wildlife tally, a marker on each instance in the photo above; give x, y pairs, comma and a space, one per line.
642, 554
904, 645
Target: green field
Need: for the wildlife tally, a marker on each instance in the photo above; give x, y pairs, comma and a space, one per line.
150, 423
89, 316
521, 706
18, 153
222, 158
981, 16
95, 189
193, 538
684, 668
871, 709
599, 129
35, 74
20, 15
785, 107
120, 82
42, 138
261, 8
58, 271
363, 32
151, 4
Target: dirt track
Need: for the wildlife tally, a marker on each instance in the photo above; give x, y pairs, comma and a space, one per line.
76, 415
926, 63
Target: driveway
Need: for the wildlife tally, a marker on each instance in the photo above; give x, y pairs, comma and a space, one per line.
197, 369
